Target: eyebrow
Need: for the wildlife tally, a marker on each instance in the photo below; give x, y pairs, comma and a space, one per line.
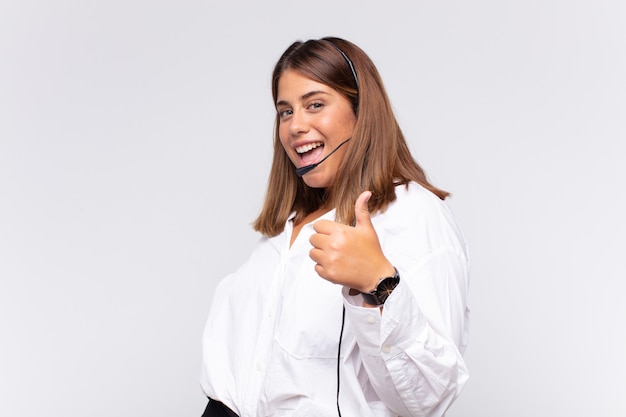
303, 97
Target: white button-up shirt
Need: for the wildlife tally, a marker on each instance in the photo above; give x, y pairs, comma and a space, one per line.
271, 340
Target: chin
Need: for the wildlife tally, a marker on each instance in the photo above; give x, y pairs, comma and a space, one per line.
315, 181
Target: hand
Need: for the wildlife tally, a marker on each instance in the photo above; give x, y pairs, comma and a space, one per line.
350, 256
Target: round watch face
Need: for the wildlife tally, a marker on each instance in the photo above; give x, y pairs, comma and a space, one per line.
386, 286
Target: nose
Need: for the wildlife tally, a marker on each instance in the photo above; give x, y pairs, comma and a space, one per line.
298, 123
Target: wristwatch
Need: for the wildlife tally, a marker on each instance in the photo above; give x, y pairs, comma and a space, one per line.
379, 295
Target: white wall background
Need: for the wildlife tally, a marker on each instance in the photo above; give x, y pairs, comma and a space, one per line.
135, 142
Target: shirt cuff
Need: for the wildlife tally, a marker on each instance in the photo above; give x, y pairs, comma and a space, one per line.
373, 327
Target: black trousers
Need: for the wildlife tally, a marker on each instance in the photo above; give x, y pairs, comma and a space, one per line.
217, 409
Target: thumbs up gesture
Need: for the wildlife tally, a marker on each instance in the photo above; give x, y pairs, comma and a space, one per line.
350, 256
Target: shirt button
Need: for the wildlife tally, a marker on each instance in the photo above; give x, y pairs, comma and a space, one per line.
386, 349
371, 319
259, 366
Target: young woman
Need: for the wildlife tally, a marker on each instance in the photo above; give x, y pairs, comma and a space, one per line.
354, 302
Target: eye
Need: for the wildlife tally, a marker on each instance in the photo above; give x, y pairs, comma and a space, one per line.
284, 113
316, 106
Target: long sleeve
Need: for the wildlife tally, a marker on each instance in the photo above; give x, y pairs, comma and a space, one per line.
412, 352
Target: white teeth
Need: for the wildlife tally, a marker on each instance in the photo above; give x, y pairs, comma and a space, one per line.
308, 147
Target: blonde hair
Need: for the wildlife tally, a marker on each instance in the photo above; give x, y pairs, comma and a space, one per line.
377, 157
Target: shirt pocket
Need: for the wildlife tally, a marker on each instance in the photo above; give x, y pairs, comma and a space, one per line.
311, 317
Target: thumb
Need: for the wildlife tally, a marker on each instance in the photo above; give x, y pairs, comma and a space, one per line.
361, 211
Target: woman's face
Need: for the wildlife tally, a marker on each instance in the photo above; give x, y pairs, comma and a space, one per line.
313, 120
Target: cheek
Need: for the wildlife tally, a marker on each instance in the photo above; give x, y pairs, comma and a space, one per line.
348, 125
290, 152
282, 136
341, 127
283, 133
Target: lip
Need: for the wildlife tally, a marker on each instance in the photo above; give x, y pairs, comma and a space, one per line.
302, 149
319, 144
300, 143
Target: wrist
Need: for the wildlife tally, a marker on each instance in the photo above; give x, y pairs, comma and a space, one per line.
379, 274
382, 290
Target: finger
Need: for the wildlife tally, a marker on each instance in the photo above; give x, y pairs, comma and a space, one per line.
324, 226
319, 241
319, 257
361, 211
320, 271
325, 273
316, 255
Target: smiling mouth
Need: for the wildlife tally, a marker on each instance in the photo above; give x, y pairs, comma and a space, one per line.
310, 153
